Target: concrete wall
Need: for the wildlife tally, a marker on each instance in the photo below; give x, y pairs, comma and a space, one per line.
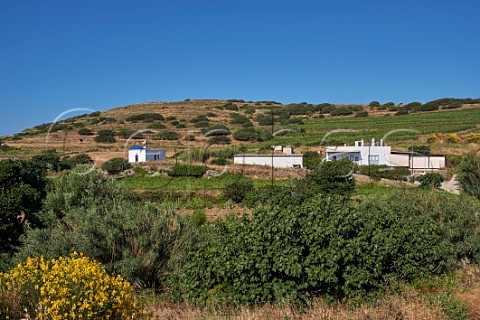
418, 161
279, 161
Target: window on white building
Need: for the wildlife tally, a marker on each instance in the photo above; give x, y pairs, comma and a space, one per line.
373, 159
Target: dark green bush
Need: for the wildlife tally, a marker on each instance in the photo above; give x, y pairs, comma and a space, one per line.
238, 190
328, 247
361, 114
342, 111
238, 119
201, 124
105, 139
430, 180
79, 159
199, 118
85, 132
145, 117
174, 122
171, 118
199, 217
469, 174
167, 135
116, 165
334, 177
374, 104
311, 160
219, 161
378, 172
230, 106
48, 160
180, 126
264, 119
187, 170
219, 140
156, 125
216, 130
402, 112
249, 134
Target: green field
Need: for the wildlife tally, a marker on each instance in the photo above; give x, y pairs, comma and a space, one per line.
144, 182
338, 130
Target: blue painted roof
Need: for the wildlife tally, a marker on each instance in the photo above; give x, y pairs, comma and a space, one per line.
136, 147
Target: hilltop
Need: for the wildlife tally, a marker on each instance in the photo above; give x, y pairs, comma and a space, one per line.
448, 125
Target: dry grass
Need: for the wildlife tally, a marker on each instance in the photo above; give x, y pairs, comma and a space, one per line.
408, 306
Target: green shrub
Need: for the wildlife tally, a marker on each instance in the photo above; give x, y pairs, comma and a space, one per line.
430, 180
85, 132
327, 247
199, 217
48, 160
105, 139
201, 117
201, 124
469, 174
219, 161
167, 135
171, 118
230, 106
377, 172
334, 177
311, 160
180, 125
342, 111
79, 159
402, 112
264, 120
238, 190
374, 104
145, 117
361, 114
174, 122
22, 189
249, 134
187, 170
156, 125
116, 165
219, 140
238, 119
216, 130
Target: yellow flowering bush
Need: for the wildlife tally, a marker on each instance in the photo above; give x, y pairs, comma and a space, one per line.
473, 137
453, 138
433, 139
73, 287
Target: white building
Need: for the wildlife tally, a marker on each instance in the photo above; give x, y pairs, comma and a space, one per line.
417, 161
144, 154
361, 154
278, 160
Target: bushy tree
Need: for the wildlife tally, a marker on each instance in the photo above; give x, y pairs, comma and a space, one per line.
238, 190
328, 247
334, 177
430, 180
116, 165
469, 174
22, 188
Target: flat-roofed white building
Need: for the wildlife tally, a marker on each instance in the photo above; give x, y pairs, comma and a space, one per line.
143, 154
361, 153
278, 160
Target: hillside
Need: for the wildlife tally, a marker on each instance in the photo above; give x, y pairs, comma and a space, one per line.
178, 126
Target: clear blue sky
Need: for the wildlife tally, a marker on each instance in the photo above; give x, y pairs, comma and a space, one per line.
56, 55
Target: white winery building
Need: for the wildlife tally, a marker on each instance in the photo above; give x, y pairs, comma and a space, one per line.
361, 153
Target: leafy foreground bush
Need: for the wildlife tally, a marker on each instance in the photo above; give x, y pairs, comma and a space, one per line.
74, 287
328, 247
89, 214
